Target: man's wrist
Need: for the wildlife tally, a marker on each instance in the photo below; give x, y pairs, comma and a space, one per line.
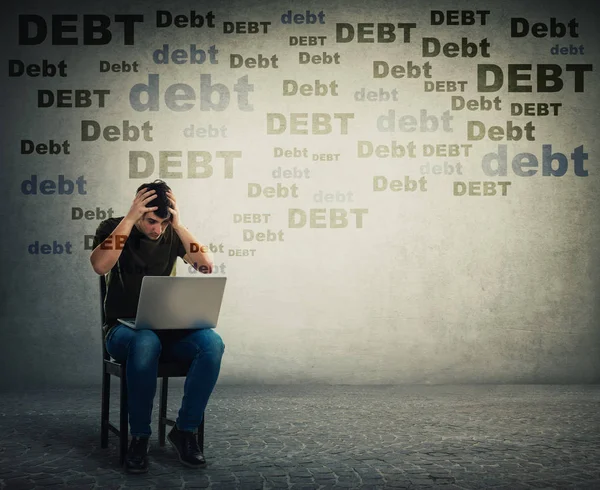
128, 222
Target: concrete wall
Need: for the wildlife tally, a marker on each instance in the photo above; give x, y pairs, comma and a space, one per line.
469, 271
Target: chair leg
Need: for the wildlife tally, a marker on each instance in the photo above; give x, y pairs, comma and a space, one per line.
162, 412
123, 432
104, 415
201, 433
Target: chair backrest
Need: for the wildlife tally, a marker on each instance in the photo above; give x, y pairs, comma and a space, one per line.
105, 354
102, 296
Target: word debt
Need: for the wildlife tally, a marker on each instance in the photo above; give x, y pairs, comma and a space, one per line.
164, 18
466, 49
241, 252
519, 27
437, 169
245, 27
255, 190
91, 131
308, 18
251, 218
307, 40
268, 236
381, 183
33, 29
318, 218
181, 97
426, 123
365, 32
445, 86
17, 68
318, 59
571, 49
483, 104
381, 69
65, 186
476, 130
548, 77
474, 188
523, 161
331, 197
291, 87
198, 164
459, 17
180, 56
320, 123
237, 61
204, 269
122, 67
79, 213
52, 148
72, 98
46, 249
196, 247
209, 131
291, 173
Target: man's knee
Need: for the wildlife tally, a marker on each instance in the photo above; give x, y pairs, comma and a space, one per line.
146, 341
209, 341
218, 342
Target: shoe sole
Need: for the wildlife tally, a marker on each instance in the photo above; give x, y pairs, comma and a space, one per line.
185, 463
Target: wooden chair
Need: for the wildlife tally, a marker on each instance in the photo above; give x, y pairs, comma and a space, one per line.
110, 367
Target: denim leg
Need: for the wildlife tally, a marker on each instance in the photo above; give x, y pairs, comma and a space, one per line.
141, 349
204, 348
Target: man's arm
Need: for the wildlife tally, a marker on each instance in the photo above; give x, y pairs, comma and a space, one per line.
200, 259
106, 254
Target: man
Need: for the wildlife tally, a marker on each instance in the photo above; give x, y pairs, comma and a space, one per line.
147, 241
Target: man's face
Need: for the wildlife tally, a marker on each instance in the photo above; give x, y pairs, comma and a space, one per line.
152, 226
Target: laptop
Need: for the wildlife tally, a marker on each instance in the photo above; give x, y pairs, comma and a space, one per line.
172, 303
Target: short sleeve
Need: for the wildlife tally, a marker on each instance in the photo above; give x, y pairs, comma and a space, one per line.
103, 231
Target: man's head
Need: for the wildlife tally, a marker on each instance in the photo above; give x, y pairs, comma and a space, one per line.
154, 223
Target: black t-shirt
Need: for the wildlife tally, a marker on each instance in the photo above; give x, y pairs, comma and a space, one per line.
139, 257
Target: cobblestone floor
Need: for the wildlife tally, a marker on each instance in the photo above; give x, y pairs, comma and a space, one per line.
321, 437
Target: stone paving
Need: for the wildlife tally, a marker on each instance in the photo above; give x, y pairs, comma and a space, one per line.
321, 437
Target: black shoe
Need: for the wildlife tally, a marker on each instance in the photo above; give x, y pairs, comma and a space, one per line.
186, 446
136, 460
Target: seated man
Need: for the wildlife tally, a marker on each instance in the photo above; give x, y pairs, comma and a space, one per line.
147, 241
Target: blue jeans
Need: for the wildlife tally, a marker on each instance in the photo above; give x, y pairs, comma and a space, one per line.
142, 349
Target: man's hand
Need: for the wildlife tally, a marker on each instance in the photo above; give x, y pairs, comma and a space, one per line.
175, 222
138, 208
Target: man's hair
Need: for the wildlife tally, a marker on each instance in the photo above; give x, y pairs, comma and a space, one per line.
161, 200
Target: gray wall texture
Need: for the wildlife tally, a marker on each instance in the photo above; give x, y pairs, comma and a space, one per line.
398, 192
